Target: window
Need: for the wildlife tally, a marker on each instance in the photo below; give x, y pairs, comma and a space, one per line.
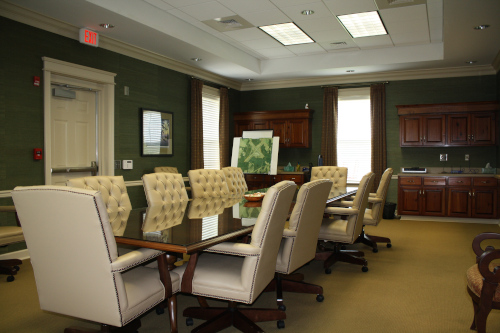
354, 132
210, 104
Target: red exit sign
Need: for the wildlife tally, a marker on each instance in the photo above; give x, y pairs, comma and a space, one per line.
89, 37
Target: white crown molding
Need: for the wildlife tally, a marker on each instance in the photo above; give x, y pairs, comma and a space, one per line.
372, 77
46, 23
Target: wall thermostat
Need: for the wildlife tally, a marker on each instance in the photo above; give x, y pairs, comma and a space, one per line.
127, 164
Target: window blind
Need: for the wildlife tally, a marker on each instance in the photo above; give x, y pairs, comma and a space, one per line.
151, 132
211, 107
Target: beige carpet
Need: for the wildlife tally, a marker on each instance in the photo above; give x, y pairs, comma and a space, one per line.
418, 285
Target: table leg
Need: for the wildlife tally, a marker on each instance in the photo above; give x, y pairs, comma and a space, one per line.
165, 264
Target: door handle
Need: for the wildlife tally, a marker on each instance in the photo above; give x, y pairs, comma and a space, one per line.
93, 168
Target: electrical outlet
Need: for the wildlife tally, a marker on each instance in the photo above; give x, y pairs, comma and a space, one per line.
118, 165
443, 157
466, 157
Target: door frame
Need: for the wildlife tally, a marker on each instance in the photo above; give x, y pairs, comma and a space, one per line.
106, 106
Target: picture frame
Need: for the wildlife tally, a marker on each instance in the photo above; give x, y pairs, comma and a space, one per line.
157, 133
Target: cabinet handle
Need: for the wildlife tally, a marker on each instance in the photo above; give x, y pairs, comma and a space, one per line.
421, 139
459, 181
423, 192
293, 178
472, 136
410, 181
484, 182
468, 137
473, 193
469, 194
434, 181
424, 139
420, 192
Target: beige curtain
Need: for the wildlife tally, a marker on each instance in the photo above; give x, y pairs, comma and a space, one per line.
329, 127
224, 128
379, 147
196, 125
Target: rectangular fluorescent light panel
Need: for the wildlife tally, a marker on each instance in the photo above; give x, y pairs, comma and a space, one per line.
287, 34
363, 24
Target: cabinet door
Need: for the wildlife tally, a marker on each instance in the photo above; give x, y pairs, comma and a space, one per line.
434, 130
410, 131
297, 133
482, 129
484, 201
279, 128
409, 200
459, 201
434, 203
260, 125
241, 126
458, 130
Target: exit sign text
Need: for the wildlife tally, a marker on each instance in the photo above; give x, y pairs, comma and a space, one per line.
89, 37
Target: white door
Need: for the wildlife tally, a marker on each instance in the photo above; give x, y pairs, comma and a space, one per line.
73, 133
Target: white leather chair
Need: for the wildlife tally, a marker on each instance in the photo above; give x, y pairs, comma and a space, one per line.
75, 260
300, 237
239, 272
166, 169
338, 232
206, 183
114, 194
204, 207
10, 235
338, 175
235, 180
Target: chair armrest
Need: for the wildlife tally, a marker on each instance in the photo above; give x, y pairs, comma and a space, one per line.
476, 243
133, 258
235, 249
372, 195
289, 233
341, 211
490, 274
374, 200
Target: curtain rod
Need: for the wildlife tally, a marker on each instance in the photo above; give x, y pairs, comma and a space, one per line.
346, 85
211, 82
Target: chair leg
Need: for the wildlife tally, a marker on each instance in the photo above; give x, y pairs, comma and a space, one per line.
10, 267
378, 239
349, 256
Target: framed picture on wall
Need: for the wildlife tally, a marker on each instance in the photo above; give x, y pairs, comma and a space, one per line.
157, 133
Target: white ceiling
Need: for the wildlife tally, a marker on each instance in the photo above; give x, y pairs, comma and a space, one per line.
422, 34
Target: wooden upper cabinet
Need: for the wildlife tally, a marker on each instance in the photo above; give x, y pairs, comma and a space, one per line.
292, 126
452, 124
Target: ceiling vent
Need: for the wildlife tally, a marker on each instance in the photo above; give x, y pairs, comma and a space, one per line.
338, 44
228, 23
385, 4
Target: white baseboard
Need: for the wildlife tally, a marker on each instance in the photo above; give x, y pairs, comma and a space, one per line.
449, 219
21, 254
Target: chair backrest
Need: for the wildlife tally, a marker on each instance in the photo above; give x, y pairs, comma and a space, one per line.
205, 207
164, 188
69, 236
360, 202
338, 175
114, 194
206, 183
257, 272
163, 216
235, 180
299, 247
167, 169
381, 194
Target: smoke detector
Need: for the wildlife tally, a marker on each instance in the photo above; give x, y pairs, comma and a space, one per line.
228, 23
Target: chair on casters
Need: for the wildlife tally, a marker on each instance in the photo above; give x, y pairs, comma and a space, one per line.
483, 280
339, 232
298, 245
338, 175
235, 180
10, 235
206, 183
166, 169
75, 260
239, 272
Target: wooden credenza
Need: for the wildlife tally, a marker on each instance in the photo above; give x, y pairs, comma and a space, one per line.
448, 125
292, 126
256, 181
448, 196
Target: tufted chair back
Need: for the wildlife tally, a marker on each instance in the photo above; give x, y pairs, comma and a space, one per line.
204, 207
68, 234
338, 175
113, 192
167, 169
164, 188
206, 183
235, 180
360, 202
163, 216
376, 200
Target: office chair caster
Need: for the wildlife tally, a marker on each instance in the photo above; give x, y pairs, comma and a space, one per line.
389, 245
375, 250
10, 278
16, 268
282, 307
328, 271
364, 269
280, 324
320, 298
159, 310
189, 322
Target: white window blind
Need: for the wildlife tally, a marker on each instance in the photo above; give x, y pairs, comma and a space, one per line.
209, 227
354, 132
211, 102
151, 132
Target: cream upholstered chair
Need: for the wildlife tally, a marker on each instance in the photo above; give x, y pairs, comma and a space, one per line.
164, 188
166, 169
10, 235
338, 175
339, 231
114, 194
207, 183
483, 279
68, 229
239, 272
235, 180
300, 236
204, 207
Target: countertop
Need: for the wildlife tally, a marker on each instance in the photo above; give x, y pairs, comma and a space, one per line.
280, 172
449, 174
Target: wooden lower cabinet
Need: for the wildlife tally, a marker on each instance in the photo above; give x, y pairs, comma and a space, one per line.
255, 182
466, 197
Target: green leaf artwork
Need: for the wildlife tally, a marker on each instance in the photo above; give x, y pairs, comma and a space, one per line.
254, 155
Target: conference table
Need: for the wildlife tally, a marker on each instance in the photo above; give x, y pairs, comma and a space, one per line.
191, 226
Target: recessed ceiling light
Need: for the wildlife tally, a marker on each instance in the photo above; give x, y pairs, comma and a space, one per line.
470, 62
363, 24
249, 79
350, 71
482, 27
307, 12
287, 34
196, 59
107, 25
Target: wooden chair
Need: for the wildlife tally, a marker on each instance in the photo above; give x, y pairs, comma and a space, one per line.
483, 280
